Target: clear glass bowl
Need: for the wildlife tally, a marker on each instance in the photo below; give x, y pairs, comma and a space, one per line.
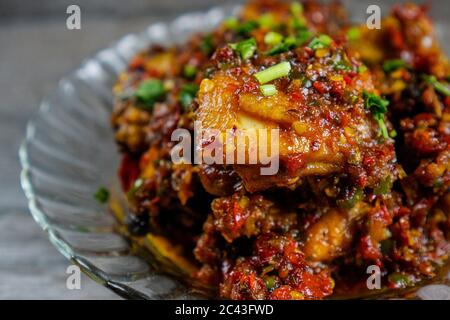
69, 152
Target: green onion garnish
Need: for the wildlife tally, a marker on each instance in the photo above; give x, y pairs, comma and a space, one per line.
189, 71
245, 48
342, 65
378, 106
362, 68
207, 45
438, 86
231, 23
393, 133
290, 43
245, 28
149, 92
277, 71
375, 103
268, 90
320, 42
392, 65
187, 94
266, 21
383, 130
273, 38
353, 34
298, 21
101, 195
242, 28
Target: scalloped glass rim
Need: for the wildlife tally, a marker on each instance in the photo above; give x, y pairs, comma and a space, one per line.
69, 151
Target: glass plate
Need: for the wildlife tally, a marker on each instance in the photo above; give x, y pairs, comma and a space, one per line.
69, 152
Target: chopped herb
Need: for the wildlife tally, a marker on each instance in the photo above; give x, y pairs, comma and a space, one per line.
320, 42
384, 186
352, 200
268, 90
207, 45
270, 282
290, 43
231, 23
353, 34
392, 65
266, 21
362, 68
298, 20
273, 38
189, 71
245, 28
401, 280
277, 71
375, 103
393, 133
149, 92
187, 94
382, 125
134, 188
342, 65
245, 48
440, 87
102, 195
296, 9
378, 106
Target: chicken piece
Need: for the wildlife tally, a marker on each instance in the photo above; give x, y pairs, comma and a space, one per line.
332, 234
319, 111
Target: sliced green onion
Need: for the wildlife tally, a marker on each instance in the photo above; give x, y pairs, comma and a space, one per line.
149, 92
393, 133
245, 28
375, 103
231, 23
362, 68
353, 34
320, 42
383, 130
101, 195
298, 21
273, 38
348, 203
438, 86
392, 65
207, 45
245, 48
378, 106
268, 90
401, 280
266, 21
296, 9
342, 65
277, 71
187, 94
189, 71
290, 43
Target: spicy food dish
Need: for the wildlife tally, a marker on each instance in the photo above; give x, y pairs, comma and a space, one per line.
364, 151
